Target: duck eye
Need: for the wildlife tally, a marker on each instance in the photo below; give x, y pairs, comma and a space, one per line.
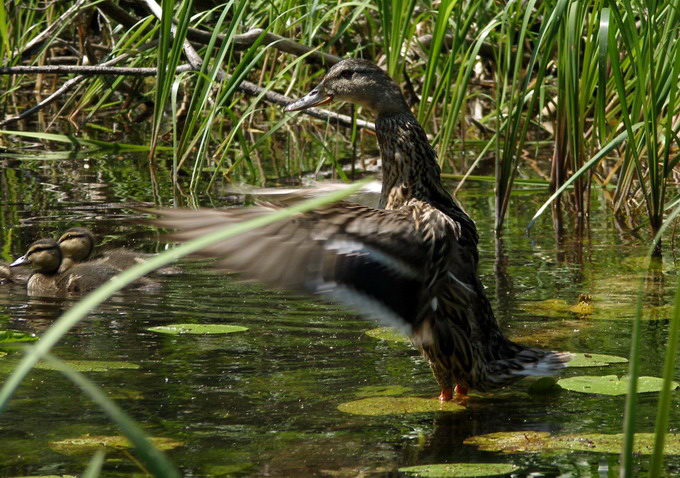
347, 75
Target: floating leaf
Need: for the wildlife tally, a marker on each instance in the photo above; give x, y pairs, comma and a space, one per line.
388, 334
533, 442
91, 365
458, 470
593, 360
610, 384
382, 390
88, 444
398, 406
199, 329
8, 336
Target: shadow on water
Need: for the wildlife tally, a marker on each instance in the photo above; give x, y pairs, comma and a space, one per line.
264, 402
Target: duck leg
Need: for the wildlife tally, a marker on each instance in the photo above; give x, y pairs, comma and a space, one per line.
461, 390
447, 394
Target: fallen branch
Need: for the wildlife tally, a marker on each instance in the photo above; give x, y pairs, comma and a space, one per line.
241, 42
86, 70
245, 86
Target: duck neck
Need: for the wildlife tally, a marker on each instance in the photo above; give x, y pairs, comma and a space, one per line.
409, 163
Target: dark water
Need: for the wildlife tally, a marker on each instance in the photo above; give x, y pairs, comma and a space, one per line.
263, 402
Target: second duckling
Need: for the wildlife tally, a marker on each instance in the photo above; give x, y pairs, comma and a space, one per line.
77, 245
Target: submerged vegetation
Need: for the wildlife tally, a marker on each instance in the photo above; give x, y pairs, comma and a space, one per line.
578, 99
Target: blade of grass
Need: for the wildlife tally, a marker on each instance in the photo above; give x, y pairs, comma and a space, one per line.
94, 468
154, 459
586, 166
87, 303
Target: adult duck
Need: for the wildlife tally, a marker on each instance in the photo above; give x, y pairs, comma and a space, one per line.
412, 263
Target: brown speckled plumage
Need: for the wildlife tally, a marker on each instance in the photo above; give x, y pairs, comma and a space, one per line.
412, 264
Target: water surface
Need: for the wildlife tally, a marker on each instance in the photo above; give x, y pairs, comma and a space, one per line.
264, 402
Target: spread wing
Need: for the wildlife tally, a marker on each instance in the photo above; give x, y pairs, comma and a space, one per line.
369, 259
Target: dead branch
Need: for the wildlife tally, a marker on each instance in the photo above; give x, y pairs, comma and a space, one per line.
241, 42
85, 70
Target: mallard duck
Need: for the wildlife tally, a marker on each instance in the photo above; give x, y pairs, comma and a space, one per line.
412, 263
77, 245
45, 257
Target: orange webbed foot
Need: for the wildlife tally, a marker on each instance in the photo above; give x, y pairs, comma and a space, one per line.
446, 395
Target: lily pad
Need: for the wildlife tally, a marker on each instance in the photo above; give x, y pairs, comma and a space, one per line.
91, 365
382, 390
198, 329
375, 406
544, 442
8, 336
579, 359
388, 334
86, 444
611, 384
458, 470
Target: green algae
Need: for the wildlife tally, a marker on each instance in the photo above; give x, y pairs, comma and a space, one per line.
388, 334
375, 406
197, 329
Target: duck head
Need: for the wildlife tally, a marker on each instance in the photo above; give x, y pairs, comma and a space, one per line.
359, 82
77, 244
43, 255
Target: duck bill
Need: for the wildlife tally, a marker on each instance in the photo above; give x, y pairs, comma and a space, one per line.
19, 262
313, 98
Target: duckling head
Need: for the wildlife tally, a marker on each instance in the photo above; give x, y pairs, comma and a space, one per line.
43, 255
356, 81
76, 244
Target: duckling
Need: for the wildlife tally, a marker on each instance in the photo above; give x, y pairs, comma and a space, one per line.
9, 275
45, 257
77, 245
411, 263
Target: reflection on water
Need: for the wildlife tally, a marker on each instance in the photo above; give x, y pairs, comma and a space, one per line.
264, 402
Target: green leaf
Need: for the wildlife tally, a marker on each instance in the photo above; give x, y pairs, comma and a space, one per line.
197, 329
458, 470
610, 384
544, 442
375, 406
593, 360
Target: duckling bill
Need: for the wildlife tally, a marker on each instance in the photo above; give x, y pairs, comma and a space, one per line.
412, 263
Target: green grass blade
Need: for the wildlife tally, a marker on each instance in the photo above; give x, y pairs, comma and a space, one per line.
94, 468
87, 303
666, 396
586, 166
